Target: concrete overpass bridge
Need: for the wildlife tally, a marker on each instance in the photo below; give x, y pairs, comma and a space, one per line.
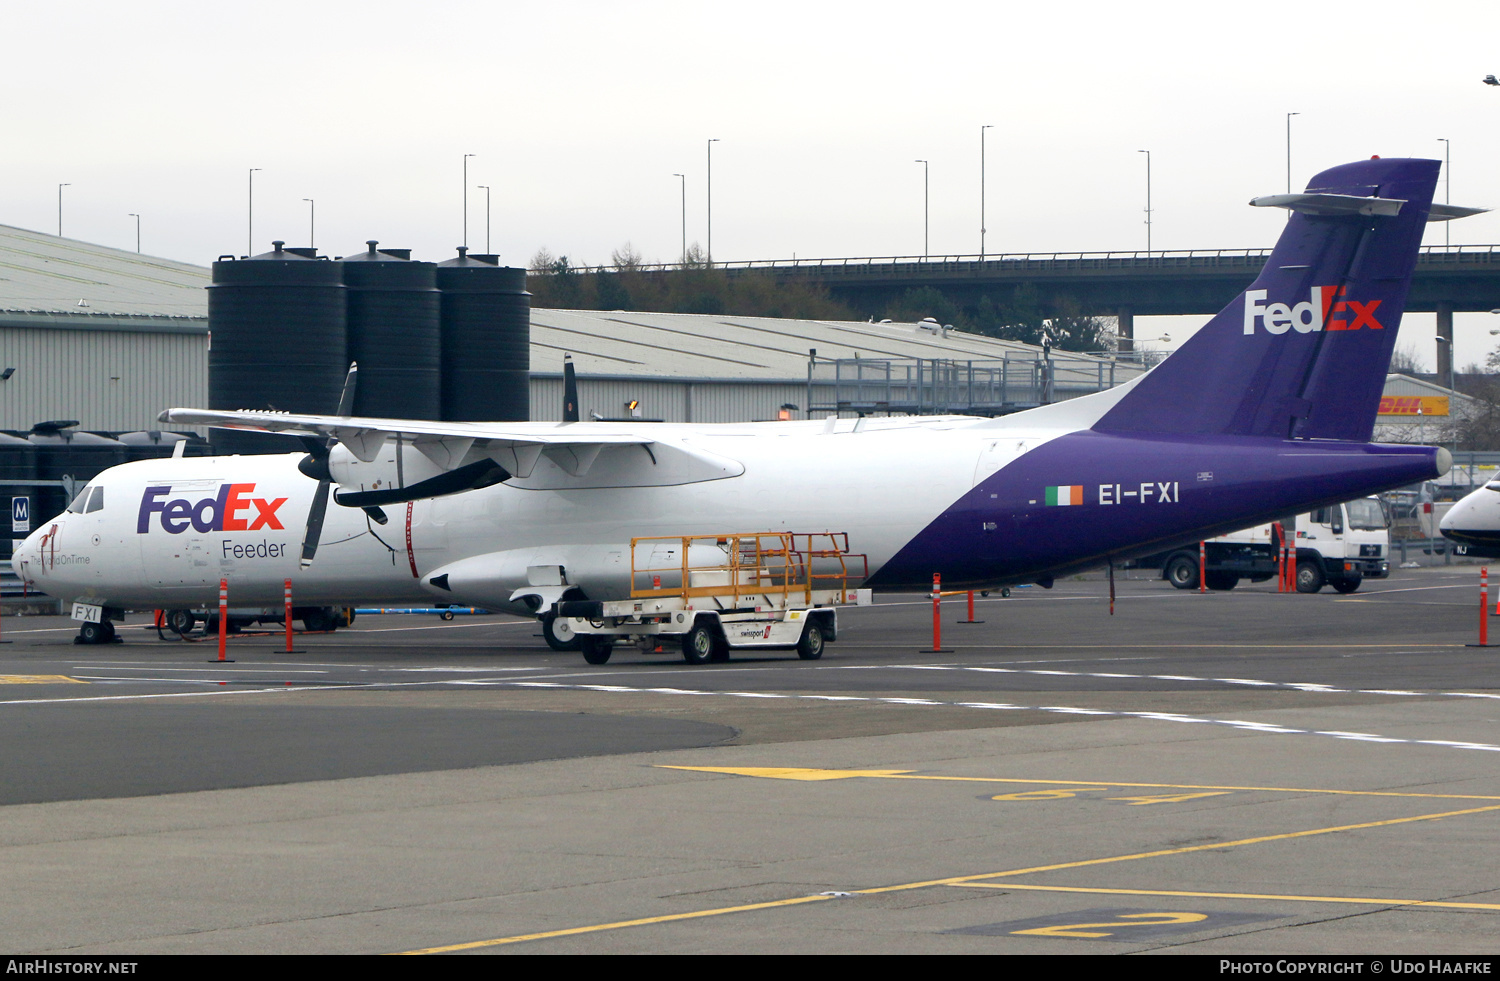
1119, 284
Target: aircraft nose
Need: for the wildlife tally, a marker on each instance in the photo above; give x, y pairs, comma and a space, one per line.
24, 554
1472, 511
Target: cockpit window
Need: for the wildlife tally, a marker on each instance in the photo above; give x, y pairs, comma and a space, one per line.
1493, 485
78, 502
1366, 514
96, 502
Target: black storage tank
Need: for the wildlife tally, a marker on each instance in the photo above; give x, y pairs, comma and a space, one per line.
64, 454
486, 331
277, 340
393, 333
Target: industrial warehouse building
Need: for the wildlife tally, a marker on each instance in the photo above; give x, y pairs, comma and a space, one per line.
110, 338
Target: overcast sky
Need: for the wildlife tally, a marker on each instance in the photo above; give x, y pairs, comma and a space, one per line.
579, 114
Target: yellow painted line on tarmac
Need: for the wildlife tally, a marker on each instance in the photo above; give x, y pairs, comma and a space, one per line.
39, 679
808, 774
1361, 901
1161, 853
598, 927
956, 880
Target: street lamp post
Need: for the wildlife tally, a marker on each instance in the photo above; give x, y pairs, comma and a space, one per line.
59, 208
486, 189
1447, 189
1148, 198
312, 223
466, 200
1289, 156
137, 232
683, 178
711, 201
250, 217
926, 250
981, 191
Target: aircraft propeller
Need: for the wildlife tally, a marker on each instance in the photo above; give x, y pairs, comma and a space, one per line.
315, 465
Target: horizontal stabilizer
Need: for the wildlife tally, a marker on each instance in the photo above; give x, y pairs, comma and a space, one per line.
1354, 204
1448, 212
1331, 204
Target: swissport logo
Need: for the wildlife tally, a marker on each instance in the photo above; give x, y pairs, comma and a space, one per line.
219, 513
1318, 312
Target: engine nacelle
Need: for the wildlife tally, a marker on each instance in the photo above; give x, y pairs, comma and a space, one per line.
401, 472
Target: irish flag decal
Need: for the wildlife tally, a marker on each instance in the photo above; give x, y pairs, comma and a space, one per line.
1065, 495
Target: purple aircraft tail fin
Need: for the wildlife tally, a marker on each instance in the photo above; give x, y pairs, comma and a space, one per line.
1303, 353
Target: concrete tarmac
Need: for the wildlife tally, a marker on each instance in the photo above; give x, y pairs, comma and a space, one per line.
1230, 773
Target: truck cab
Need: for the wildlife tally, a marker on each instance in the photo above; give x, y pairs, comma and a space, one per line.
1341, 546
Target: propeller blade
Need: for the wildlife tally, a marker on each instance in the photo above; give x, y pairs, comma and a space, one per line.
570, 390
315, 465
315, 523
346, 398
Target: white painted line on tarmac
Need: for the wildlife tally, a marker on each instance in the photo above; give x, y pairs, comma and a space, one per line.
1307, 686
1242, 724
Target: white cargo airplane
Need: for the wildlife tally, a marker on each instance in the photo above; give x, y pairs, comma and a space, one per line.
1266, 411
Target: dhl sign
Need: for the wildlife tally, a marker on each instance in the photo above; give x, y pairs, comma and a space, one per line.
1408, 405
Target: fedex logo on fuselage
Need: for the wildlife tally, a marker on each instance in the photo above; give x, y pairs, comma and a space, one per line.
227, 511
1318, 312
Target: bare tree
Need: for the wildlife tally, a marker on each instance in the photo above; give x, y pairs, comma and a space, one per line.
1405, 361
626, 258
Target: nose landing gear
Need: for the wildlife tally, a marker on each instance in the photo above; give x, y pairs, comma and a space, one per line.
102, 632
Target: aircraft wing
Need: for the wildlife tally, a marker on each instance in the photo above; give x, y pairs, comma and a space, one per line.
542, 455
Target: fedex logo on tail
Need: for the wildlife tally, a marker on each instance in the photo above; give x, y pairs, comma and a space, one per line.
229, 510
1318, 312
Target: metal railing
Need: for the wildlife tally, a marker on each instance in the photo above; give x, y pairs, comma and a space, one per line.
938, 386
1042, 261
747, 567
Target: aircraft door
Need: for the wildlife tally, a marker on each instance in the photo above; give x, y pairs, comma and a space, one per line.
180, 560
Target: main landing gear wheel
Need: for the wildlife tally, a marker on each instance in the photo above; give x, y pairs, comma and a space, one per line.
320, 620
181, 621
1309, 577
1182, 572
96, 633
698, 645
810, 647
595, 649
558, 632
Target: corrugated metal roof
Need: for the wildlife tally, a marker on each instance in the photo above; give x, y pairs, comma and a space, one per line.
50, 280
720, 346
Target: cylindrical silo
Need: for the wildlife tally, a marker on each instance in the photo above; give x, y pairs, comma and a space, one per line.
486, 341
276, 341
65, 454
393, 333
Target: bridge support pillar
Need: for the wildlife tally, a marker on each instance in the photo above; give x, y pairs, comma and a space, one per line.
1445, 341
1125, 328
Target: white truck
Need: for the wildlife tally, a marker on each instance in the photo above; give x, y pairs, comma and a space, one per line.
708, 594
1340, 546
